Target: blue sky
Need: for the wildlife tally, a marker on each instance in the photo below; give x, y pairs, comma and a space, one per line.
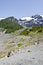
20, 8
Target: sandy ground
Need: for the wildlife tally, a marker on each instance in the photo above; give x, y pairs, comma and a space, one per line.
23, 57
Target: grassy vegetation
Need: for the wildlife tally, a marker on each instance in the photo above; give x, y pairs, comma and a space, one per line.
8, 49
3, 54
32, 30
17, 32
19, 44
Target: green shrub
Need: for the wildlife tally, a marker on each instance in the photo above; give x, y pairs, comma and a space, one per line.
39, 30
19, 44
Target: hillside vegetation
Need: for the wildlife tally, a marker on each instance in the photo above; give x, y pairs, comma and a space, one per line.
32, 30
10, 25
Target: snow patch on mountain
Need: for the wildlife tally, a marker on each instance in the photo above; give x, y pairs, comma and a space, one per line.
41, 16
27, 18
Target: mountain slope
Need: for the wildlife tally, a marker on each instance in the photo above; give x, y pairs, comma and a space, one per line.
10, 24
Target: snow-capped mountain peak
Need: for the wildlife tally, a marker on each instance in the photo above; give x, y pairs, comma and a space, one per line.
27, 18
35, 20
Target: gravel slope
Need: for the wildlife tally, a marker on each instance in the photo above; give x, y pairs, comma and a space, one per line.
26, 55
23, 57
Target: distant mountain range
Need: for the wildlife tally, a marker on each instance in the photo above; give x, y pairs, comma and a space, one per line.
35, 20
15, 24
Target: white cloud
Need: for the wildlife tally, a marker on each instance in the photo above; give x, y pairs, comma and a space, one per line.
1, 18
